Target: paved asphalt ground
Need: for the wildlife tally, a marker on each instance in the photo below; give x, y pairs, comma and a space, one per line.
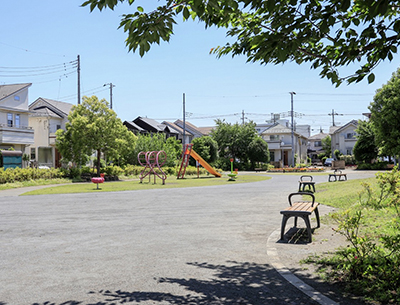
208, 245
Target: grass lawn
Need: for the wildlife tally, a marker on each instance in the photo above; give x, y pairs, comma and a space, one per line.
346, 195
135, 184
341, 194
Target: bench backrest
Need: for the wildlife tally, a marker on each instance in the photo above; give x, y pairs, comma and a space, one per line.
301, 194
306, 178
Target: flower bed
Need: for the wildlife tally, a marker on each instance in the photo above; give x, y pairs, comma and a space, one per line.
296, 169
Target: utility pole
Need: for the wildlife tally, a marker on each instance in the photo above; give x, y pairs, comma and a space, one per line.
111, 86
79, 80
291, 114
333, 116
243, 117
184, 122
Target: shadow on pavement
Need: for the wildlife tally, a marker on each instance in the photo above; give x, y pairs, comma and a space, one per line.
233, 283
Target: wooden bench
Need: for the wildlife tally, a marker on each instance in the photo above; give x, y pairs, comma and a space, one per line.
306, 181
301, 209
337, 174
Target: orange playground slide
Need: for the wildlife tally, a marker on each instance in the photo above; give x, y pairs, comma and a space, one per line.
203, 163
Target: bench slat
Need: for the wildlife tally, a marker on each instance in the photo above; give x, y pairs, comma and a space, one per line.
300, 207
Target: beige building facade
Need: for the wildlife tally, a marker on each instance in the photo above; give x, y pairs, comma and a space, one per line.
46, 117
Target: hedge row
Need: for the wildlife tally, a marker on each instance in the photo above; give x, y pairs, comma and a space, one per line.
25, 174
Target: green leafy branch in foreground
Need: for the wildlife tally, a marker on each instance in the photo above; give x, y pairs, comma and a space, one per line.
328, 35
370, 264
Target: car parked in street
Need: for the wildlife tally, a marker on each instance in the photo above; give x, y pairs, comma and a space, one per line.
328, 161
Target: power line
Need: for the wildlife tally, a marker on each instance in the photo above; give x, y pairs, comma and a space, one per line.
30, 51
38, 71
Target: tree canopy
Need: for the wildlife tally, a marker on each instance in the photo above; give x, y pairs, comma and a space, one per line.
207, 148
385, 116
240, 142
92, 126
157, 142
326, 34
365, 149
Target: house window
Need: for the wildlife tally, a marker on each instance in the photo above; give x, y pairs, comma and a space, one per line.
33, 154
271, 155
350, 135
17, 120
274, 137
58, 127
317, 144
9, 119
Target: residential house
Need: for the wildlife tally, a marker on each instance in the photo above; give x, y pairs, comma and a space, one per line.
194, 131
343, 138
279, 139
46, 117
143, 125
206, 130
315, 146
179, 130
14, 117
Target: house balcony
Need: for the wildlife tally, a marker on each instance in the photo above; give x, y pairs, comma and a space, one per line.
272, 145
22, 135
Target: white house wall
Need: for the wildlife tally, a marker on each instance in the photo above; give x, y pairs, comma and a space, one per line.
13, 102
343, 141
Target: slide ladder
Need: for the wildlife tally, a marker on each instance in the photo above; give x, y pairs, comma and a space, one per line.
187, 149
187, 152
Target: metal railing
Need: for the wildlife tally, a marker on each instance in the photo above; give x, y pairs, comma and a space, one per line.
2, 125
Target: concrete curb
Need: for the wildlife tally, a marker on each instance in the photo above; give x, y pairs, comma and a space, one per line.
290, 277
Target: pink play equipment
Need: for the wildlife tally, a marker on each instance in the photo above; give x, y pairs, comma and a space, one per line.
152, 162
98, 180
189, 152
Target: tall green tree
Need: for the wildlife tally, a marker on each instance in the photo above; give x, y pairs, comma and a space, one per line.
93, 127
385, 116
258, 151
157, 142
240, 142
207, 148
326, 34
365, 149
326, 146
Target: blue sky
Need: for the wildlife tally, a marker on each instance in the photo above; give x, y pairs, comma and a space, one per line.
39, 33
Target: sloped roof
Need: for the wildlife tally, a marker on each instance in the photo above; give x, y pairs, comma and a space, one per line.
206, 130
318, 136
280, 129
333, 129
189, 126
277, 128
153, 123
7, 90
352, 122
61, 109
40, 112
132, 125
176, 128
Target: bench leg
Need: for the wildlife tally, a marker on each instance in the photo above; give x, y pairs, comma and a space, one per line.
317, 216
284, 221
308, 225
